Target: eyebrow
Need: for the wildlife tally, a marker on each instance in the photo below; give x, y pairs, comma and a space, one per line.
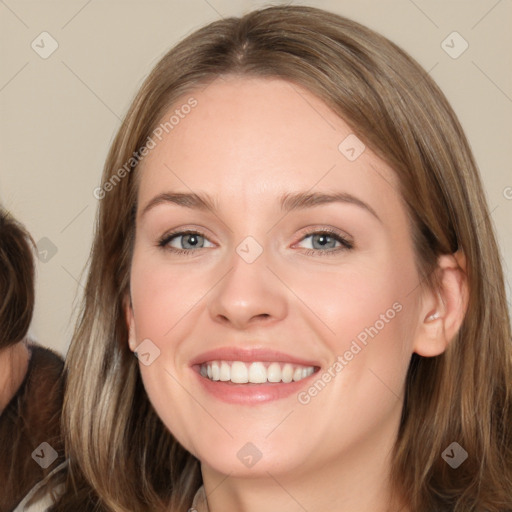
288, 202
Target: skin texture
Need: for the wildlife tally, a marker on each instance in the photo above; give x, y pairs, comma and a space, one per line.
247, 142
13, 367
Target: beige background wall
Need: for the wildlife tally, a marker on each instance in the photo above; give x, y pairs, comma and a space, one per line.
58, 114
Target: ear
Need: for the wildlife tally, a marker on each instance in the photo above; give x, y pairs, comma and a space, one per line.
442, 312
130, 322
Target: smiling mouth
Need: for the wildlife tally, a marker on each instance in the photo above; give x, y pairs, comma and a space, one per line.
257, 372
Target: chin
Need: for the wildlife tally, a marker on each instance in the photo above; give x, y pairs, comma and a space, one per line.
248, 461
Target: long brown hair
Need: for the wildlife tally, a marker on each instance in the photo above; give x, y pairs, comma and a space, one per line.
117, 444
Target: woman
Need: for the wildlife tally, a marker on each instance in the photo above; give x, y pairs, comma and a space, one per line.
374, 377
31, 384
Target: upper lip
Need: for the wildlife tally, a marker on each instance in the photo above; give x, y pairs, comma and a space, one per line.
249, 355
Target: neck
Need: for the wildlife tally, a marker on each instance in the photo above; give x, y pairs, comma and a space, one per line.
13, 367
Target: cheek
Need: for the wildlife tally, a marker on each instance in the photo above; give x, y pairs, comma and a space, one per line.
369, 351
369, 311
354, 301
159, 304
162, 296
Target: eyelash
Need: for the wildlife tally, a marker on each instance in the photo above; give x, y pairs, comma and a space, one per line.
345, 244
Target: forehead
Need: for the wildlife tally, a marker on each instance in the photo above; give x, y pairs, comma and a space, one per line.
253, 139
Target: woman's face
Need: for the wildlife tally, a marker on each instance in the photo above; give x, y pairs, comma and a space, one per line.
279, 283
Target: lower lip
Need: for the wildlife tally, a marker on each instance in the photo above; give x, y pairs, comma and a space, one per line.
252, 394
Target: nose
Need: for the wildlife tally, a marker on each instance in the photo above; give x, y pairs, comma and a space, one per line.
248, 294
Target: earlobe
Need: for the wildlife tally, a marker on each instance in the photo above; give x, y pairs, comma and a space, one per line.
433, 316
443, 312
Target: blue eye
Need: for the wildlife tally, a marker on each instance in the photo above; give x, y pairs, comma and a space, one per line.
189, 238
325, 238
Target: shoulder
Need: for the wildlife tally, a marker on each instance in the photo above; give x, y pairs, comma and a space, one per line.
31, 419
40, 403
45, 384
44, 358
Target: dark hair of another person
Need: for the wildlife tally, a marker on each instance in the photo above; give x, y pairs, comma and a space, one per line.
32, 415
16, 280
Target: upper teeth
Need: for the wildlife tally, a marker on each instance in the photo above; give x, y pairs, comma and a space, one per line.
239, 372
